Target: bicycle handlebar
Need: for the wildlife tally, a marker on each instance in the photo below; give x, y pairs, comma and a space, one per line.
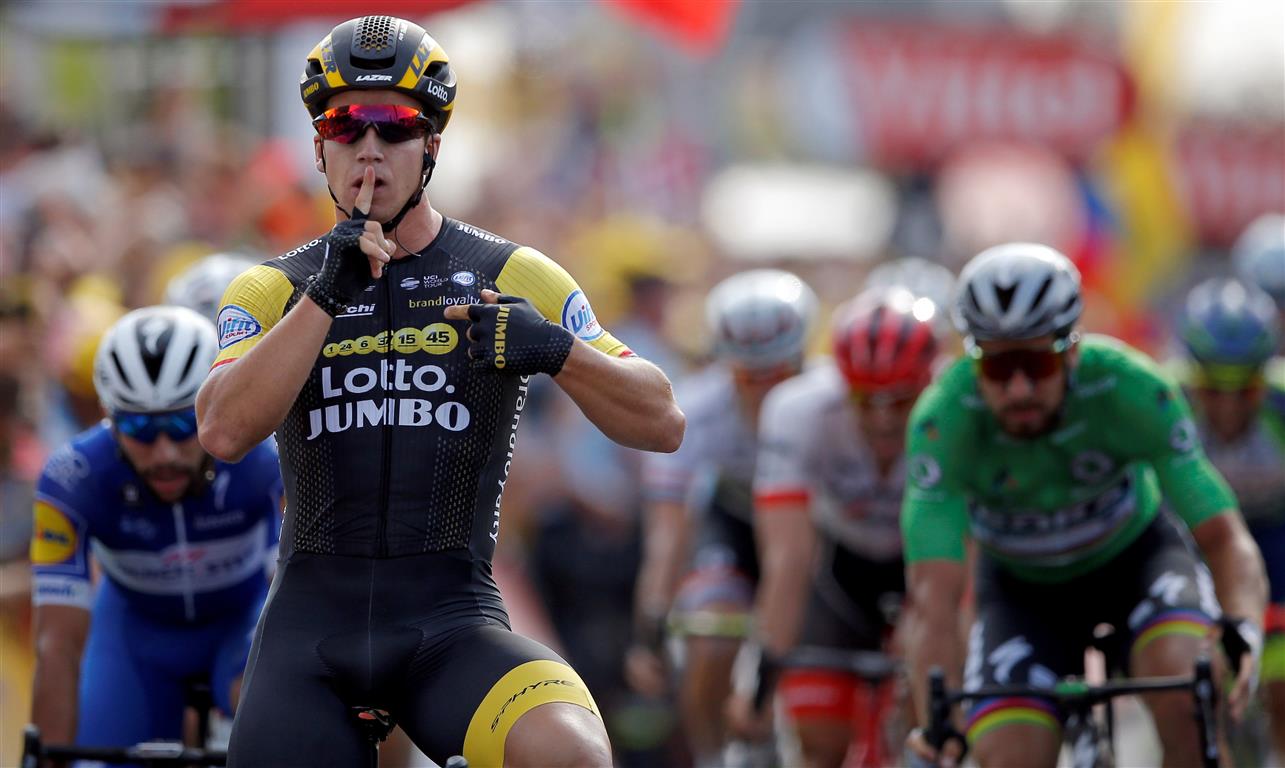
1080, 696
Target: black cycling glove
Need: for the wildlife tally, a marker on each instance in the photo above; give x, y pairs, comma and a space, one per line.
345, 272
1241, 636
513, 337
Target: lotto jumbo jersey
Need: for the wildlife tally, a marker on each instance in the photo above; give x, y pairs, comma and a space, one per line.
396, 445
1060, 505
197, 559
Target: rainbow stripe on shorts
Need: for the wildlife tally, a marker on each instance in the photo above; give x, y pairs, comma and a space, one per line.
990, 714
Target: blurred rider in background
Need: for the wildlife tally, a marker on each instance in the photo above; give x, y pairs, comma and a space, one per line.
700, 565
184, 543
827, 494
1230, 331
201, 286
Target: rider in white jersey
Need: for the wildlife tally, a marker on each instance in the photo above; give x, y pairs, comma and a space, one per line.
827, 490
759, 321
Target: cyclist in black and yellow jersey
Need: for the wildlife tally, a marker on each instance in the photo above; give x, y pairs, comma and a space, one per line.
392, 358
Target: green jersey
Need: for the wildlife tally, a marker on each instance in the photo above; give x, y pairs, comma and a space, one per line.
1058, 506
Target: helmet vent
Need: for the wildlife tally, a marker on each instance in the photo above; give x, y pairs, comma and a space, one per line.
120, 369
373, 37
1044, 288
1005, 296
187, 365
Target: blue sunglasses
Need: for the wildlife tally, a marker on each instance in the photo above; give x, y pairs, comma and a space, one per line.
146, 427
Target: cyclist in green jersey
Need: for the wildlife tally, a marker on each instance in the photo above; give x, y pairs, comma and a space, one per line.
392, 358
1053, 451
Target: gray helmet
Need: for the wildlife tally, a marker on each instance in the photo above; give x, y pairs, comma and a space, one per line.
200, 287
760, 318
1259, 255
154, 359
1017, 291
923, 278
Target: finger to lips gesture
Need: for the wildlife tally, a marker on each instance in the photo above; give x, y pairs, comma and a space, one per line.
377, 248
461, 311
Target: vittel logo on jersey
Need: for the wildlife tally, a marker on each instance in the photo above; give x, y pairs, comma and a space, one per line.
464, 278
236, 324
398, 376
578, 317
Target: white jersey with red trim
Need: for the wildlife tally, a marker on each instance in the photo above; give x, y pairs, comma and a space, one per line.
811, 451
719, 445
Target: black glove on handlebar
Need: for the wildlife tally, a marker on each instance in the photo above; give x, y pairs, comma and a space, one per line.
1242, 636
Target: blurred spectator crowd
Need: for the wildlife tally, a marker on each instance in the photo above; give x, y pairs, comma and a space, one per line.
826, 141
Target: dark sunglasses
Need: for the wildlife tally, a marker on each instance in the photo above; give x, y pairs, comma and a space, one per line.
1035, 364
898, 397
146, 427
393, 122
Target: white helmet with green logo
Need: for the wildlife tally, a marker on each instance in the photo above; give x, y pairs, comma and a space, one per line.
1017, 291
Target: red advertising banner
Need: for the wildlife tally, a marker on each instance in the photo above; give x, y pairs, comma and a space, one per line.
921, 90
1228, 174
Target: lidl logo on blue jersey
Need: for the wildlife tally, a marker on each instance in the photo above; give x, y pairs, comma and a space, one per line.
464, 278
236, 324
577, 317
53, 539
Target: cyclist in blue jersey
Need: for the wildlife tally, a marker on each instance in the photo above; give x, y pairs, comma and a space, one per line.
1230, 330
183, 544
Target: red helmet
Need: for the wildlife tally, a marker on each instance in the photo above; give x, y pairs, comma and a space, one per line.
884, 339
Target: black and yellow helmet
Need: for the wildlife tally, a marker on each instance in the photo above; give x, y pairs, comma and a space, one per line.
380, 52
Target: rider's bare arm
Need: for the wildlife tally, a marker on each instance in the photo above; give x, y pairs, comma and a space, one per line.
934, 590
60, 632
666, 538
628, 398
241, 403
1236, 564
786, 538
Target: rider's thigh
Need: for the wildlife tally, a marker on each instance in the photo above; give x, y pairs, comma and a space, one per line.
821, 707
1018, 745
290, 719
557, 735
123, 702
705, 687
229, 662
824, 743
288, 715
125, 696
1173, 711
1274, 692
474, 688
